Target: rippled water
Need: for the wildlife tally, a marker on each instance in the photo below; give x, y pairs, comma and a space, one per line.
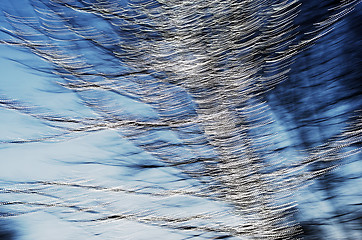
180, 120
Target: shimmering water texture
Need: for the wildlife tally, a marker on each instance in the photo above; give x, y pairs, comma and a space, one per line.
177, 119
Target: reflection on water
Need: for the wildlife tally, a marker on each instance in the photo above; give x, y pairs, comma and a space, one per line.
181, 120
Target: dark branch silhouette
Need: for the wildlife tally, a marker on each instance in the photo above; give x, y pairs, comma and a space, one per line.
222, 79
